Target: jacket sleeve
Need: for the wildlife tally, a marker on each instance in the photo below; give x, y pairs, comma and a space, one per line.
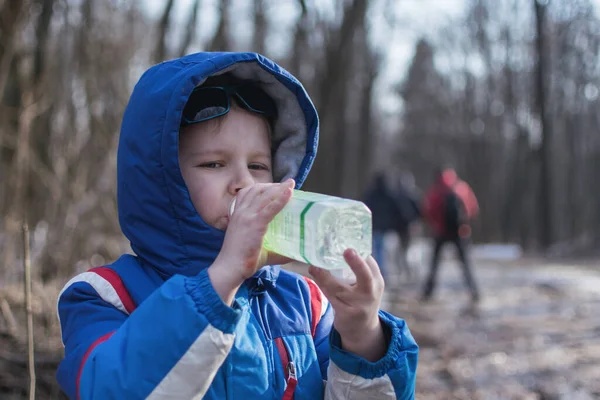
321, 339
171, 346
393, 377
321, 323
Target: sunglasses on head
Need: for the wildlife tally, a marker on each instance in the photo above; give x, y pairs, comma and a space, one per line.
208, 102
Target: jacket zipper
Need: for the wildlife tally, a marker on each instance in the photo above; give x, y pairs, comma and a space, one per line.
289, 369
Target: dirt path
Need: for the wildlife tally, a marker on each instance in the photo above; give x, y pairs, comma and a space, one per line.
534, 335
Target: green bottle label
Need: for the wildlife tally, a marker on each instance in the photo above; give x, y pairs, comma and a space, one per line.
302, 214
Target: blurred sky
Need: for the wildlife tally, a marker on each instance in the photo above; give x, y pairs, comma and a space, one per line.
409, 21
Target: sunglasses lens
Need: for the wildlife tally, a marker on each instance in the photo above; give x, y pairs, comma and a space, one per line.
257, 100
204, 104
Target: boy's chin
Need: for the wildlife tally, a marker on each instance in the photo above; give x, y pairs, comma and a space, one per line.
221, 223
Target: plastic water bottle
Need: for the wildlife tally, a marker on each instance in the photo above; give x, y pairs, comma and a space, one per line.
316, 229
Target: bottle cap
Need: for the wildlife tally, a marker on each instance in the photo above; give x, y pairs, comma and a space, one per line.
232, 206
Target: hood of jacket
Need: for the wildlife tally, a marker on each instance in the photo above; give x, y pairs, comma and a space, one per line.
156, 213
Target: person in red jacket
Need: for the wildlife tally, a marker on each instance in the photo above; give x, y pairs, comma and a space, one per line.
448, 207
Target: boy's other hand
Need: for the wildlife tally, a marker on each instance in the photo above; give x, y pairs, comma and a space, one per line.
356, 306
242, 253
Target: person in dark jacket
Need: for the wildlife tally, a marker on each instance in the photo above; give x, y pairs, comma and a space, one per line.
386, 214
409, 212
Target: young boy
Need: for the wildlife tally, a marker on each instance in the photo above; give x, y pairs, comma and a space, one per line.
201, 312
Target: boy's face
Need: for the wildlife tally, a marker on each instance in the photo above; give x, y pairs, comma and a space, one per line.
220, 157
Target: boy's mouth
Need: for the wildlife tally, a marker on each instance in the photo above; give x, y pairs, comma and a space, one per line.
225, 222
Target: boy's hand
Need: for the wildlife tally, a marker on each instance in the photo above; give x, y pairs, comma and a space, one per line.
356, 306
242, 254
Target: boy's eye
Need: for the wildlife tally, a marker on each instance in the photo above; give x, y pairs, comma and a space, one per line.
261, 167
211, 165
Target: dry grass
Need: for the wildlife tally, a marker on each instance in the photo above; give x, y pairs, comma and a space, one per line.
14, 378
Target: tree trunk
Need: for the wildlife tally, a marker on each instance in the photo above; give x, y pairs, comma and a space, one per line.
333, 98
300, 45
190, 32
259, 37
160, 51
221, 41
545, 227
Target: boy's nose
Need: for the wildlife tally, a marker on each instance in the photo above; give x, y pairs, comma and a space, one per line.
242, 180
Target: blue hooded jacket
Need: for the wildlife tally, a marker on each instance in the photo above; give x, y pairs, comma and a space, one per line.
152, 326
